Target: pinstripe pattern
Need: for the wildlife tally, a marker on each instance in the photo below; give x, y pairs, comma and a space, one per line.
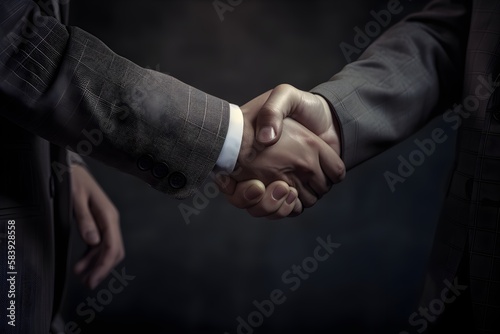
66, 82
471, 208
481, 168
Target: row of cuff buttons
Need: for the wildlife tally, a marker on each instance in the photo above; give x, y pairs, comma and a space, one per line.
160, 170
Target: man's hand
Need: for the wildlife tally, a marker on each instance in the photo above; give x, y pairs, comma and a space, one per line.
300, 158
275, 201
310, 110
99, 226
264, 115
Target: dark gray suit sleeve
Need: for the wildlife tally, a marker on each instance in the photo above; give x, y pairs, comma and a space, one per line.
66, 86
410, 72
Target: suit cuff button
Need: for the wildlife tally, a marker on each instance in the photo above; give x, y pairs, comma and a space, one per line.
177, 180
160, 170
145, 162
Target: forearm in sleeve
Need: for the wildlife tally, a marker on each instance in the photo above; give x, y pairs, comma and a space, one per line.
413, 70
66, 86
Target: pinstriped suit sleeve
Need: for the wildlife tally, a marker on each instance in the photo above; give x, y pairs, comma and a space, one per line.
412, 70
68, 87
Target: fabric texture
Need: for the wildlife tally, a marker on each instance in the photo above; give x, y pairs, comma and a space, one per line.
62, 89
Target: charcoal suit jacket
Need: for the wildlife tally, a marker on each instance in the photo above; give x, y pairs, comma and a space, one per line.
447, 54
62, 89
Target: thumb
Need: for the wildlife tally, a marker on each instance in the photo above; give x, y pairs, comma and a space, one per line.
280, 104
247, 194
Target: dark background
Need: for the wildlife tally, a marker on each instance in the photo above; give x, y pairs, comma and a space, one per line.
199, 277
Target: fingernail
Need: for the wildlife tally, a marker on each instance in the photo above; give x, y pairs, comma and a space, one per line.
291, 197
92, 237
253, 192
279, 193
266, 134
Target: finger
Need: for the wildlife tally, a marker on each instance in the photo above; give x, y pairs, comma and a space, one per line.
275, 195
317, 182
108, 257
104, 263
298, 208
247, 194
83, 264
84, 220
280, 104
287, 206
313, 112
307, 196
86, 274
111, 251
226, 184
331, 164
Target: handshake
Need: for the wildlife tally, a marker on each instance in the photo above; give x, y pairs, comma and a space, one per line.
289, 155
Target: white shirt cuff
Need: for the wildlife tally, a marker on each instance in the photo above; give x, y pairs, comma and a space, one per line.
231, 148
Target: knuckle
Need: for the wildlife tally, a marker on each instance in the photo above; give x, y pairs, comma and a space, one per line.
283, 88
310, 202
120, 255
269, 112
116, 217
112, 214
108, 247
340, 171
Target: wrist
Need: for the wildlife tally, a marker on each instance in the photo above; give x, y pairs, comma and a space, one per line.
332, 135
248, 141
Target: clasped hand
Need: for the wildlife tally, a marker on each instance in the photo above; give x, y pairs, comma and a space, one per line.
289, 156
